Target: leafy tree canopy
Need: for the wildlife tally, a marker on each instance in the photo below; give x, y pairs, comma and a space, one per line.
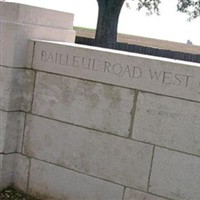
190, 7
109, 11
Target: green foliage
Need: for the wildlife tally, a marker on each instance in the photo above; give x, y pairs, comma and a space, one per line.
109, 11
152, 6
190, 7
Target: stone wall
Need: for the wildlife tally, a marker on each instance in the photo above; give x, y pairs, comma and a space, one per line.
110, 125
88, 123
18, 24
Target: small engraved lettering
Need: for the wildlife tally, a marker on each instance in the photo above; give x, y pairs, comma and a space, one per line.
75, 61
166, 77
122, 70
117, 69
137, 72
154, 75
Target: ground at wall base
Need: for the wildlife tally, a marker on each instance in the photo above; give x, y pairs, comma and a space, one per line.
12, 193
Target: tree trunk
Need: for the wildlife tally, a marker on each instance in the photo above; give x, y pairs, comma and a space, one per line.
106, 31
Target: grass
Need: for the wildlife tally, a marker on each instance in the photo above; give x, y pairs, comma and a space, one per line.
83, 28
12, 193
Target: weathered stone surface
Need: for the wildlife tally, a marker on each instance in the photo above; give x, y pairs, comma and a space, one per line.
157, 75
21, 171
7, 41
101, 155
14, 169
1, 172
175, 175
26, 14
97, 106
19, 23
30, 53
12, 126
16, 90
14, 40
168, 122
53, 182
6, 170
131, 194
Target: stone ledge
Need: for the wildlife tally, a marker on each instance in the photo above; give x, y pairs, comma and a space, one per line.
14, 40
25, 14
161, 76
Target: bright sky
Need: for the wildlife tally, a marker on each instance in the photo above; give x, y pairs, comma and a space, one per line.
170, 25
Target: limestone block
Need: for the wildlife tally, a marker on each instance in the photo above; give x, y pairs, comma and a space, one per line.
11, 132
25, 14
21, 172
52, 182
14, 169
175, 175
94, 153
146, 73
131, 194
97, 106
14, 40
6, 170
1, 172
30, 53
7, 44
168, 122
16, 89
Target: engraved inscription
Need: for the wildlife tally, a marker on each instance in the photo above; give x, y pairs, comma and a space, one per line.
68, 60
126, 71
122, 70
170, 78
